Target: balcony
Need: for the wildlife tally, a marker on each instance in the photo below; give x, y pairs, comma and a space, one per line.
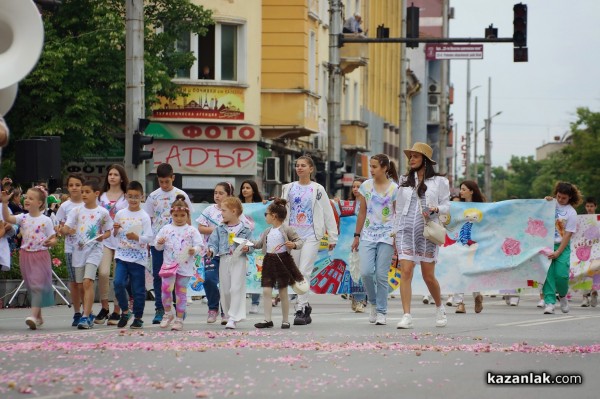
353, 55
293, 113
355, 136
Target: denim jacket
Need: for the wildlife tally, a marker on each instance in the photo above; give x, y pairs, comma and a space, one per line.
218, 242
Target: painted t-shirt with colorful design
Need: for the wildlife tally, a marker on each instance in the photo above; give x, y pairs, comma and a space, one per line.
565, 220
112, 207
212, 217
158, 206
179, 240
88, 224
34, 230
61, 217
380, 213
137, 222
301, 212
232, 232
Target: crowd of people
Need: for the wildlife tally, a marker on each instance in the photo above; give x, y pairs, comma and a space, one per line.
114, 229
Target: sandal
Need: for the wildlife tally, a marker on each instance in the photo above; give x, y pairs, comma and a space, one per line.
285, 325
264, 324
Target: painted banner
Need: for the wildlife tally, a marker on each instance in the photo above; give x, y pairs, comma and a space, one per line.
585, 254
203, 132
206, 158
202, 103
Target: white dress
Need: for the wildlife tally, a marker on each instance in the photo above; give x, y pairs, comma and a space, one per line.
410, 243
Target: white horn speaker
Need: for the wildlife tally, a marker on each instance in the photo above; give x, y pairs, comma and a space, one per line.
21, 40
7, 98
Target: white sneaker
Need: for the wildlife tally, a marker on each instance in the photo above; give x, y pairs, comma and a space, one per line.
440, 317
380, 320
564, 304
254, 309
425, 299
514, 300
585, 302
450, 301
230, 325
373, 314
594, 300
167, 320
541, 303
406, 322
549, 309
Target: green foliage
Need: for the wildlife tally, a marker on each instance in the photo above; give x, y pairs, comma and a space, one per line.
77, 89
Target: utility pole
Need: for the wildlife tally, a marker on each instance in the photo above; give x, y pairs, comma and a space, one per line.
403, 129
335, 82
475, 145
443, 135
134, 83
488, 145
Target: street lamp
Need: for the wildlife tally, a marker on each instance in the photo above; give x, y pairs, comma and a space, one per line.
468, 122
488, 156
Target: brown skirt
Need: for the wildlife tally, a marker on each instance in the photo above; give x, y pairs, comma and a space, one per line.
279, 271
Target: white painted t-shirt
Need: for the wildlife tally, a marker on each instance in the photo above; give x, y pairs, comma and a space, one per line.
88, 224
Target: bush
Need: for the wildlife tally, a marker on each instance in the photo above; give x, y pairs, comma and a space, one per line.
57, 254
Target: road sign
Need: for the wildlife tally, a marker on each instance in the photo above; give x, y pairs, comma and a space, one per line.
434, 51
347, 179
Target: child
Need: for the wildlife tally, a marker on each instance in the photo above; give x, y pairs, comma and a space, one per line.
133, 230
91, 224
181, 242
208, 221
590, 298
34, 258
74, 183
232, 267
158, 207
279, 269
567, 197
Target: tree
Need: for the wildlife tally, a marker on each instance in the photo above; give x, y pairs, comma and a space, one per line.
77, 90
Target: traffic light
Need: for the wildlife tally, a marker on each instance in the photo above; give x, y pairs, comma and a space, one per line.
138, 154
336, 172
520, 25
412, 25
320, 174
383, 32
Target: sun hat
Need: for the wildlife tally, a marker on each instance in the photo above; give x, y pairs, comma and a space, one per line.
422, 149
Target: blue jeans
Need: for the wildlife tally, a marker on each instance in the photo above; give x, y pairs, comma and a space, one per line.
211, 283
157, 261
255, 299
134, 274
375, 260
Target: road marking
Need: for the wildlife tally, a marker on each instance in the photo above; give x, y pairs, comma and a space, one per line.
514, 323
538, 322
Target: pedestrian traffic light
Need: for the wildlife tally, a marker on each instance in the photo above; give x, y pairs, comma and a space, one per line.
412, 25
520, 25
336, 172
138, 154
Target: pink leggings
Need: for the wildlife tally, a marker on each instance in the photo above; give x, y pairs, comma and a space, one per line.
179, 283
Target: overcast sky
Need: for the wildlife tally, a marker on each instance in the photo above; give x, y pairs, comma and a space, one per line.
538, 98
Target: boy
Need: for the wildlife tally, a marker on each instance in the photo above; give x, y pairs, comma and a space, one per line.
133, 229
158, 207
74, 183
90, 224
590, 209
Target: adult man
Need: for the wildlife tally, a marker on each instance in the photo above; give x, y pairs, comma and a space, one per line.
352, 24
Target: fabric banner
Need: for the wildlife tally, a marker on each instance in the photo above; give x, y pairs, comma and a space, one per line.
585, 254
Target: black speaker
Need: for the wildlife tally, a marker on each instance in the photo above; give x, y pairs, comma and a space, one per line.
38, 159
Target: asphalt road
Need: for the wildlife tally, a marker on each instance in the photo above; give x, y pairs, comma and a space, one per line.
339, 355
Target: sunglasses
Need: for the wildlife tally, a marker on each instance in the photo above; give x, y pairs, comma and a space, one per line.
266, 213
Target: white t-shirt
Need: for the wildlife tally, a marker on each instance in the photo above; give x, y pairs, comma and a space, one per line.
212, 217
34, 230
88, 224
566, 220
128, 250
4, 249
275, 241
380, 213
301, 212
112, 207
158, 207
61, 217
179, 240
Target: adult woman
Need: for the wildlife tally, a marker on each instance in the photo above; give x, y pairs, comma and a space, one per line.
113, 200
374, 226
249, 193
310, 214
422, 194
469, 192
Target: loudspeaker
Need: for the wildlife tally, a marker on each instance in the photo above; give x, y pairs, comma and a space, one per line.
38, 159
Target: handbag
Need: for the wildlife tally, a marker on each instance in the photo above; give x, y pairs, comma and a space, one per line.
434, 232
301, 287
168, 269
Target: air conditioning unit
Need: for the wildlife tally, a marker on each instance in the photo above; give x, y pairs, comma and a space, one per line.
433, 99
319, 142
433, 114
434, 88
288, 169
271, 170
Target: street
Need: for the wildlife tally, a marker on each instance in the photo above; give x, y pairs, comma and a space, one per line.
339, 355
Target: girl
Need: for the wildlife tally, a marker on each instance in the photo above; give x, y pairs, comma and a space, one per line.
358, 299
248, 194
469, 192
113, 200
311, 215
34, 259
279, 270
208, 221
567, 196
374, 226
422, 194
232, 267
180, 242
